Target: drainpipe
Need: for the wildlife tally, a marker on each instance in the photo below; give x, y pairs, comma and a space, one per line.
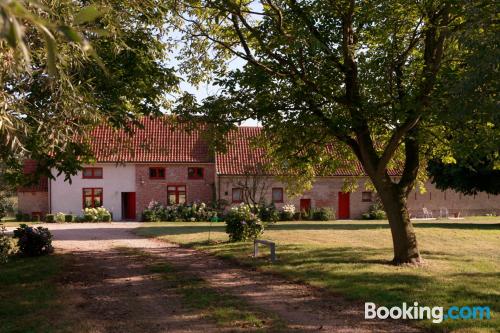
50, 195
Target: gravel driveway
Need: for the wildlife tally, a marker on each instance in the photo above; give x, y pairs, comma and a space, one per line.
103, 277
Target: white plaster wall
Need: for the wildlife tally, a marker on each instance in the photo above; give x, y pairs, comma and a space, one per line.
116, 179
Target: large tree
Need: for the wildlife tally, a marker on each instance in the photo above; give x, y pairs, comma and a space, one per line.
70, 65
374, 78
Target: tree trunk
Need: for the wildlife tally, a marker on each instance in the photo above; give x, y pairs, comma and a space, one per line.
403, 236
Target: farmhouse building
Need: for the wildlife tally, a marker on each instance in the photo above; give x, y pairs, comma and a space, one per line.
173, 166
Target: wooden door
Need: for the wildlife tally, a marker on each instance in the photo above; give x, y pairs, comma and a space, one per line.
128, 202
305, 205
344, 205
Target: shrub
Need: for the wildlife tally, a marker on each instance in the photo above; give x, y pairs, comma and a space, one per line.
6, 206
288, 212
5, 245
33, 242
23, 217
50, 218
323, 214
268, 213
36, 218
68, 218
60, 217
156, 212
242, 224
375, 212
99, 214
88, 218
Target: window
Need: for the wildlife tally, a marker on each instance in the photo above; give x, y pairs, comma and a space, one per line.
195, 173
366, 196
157, 173
92, 173
277, 195
176, 194
237, 195
92, 197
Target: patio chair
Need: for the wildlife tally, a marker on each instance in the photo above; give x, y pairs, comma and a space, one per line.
443, 212
427, 213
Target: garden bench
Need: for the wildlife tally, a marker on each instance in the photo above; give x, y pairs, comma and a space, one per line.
272, 247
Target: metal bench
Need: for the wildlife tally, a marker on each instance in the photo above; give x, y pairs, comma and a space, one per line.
272, 247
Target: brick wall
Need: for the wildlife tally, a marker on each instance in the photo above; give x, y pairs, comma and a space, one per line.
175, 174
325, 194
30, 202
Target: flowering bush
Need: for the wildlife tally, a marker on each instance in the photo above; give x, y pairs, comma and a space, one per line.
60, 217
33, 242
156, 212
287, 212
242, 224
99, 214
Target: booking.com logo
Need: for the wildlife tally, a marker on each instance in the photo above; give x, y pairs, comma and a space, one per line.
436, 313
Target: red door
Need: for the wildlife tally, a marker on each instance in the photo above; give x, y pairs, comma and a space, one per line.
129, 212
343, 211
305, 205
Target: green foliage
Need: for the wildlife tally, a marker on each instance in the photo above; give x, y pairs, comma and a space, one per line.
288, 212
33, 242
375, 212
268, 213
322, 214
242, 224
23, 217
69, 218
6, 206
50, 218
122, 76
88, 218
466, 176
6, 247
60, 217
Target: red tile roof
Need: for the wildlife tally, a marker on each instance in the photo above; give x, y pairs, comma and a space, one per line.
157, 142
240, 157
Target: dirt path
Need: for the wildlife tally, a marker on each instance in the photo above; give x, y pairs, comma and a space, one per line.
115, 286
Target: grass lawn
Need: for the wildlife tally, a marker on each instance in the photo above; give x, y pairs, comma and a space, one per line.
350, 258
29, 299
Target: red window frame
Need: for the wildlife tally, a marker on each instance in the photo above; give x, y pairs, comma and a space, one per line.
233, 191
92, 173
92, 196
177, 191
364, 197
158, 171
194, 173
280, 189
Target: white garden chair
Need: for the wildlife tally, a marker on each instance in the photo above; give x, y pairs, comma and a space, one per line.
443, 212
427, 213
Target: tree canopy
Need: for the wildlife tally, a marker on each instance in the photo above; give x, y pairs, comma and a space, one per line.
381, 79
82, 63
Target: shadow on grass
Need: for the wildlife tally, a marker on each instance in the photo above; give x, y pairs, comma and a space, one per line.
188, 229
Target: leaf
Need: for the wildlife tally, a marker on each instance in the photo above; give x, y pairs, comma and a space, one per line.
51, 45
71, 34
87, 14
